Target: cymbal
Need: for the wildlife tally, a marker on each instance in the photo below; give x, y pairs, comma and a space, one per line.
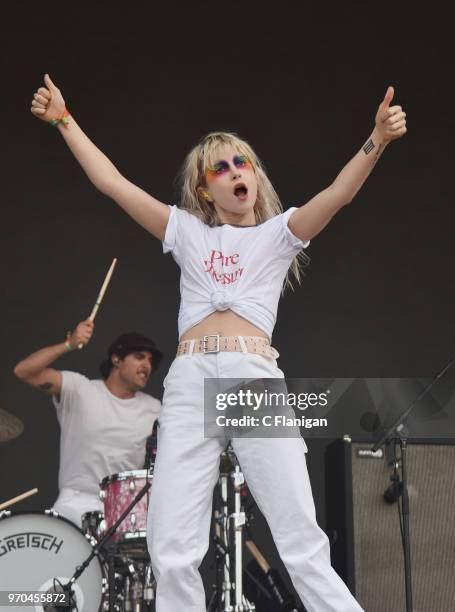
10, 426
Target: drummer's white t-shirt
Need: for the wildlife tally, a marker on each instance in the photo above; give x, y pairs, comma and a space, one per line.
101, 434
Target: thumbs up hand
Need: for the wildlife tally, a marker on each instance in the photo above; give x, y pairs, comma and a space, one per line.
48, 102
390, 120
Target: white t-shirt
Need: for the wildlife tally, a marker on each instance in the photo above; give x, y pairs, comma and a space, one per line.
229, 267
101, 434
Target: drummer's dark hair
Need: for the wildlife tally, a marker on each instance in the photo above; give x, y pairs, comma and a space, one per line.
128, 343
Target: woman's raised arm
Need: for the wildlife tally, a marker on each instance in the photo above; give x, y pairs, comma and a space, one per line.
308, 220
48, 105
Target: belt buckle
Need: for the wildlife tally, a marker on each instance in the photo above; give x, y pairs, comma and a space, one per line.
206, 340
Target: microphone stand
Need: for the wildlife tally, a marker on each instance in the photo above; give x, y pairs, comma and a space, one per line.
398, 432
68, 587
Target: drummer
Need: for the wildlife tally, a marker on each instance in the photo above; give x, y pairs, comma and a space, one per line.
104, 423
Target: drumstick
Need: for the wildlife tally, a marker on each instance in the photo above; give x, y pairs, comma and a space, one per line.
99, 299
19, 498
254, 550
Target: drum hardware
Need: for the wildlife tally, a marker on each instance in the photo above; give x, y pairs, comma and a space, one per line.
128, 605
228, 555
238, 518
149, 585
51, 512
228, 527
134, 589
111, 582
225, 587
133, 570
93, 524
68, 587
131, 585
151, 447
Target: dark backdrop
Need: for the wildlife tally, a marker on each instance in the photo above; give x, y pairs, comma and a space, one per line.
301, 82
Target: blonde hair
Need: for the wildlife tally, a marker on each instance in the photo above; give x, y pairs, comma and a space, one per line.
267, 204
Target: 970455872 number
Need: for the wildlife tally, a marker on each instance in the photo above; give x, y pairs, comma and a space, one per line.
31, 598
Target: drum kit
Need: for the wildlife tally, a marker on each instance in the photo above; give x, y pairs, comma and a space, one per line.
104, 566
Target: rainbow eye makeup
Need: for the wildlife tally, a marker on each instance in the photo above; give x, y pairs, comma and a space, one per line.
241, 161
221, 167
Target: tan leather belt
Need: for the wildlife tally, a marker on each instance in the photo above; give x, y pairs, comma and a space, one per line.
214, 343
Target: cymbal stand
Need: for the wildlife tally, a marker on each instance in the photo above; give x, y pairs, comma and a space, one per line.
224, 528
238, 518
227, 556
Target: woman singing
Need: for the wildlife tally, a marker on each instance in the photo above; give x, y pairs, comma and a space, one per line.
235, 248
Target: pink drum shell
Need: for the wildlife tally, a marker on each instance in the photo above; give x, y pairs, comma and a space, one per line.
117, 493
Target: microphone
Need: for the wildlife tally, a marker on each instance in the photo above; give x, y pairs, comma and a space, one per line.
393, 492
60, 606
151, 447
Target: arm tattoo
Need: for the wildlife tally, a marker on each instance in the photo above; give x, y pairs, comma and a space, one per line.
45, 386
369, 146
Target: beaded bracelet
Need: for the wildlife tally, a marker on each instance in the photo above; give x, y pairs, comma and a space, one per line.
68, 346
63, 119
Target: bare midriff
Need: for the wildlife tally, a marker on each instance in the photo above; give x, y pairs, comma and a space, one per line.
224, 323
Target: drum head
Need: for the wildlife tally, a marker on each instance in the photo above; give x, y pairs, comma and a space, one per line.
36, 548
128, 475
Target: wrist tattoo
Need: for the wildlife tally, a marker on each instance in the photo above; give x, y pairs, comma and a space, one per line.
45, 386
368, 147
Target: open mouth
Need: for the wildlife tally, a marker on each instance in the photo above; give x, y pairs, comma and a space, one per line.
241, 191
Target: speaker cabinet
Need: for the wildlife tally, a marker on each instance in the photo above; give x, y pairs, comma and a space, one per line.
364, 530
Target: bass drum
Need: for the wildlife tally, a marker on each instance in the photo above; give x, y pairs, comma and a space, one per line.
36, 548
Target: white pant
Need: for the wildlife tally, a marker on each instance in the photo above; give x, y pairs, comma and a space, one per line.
72, 504
187, 469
